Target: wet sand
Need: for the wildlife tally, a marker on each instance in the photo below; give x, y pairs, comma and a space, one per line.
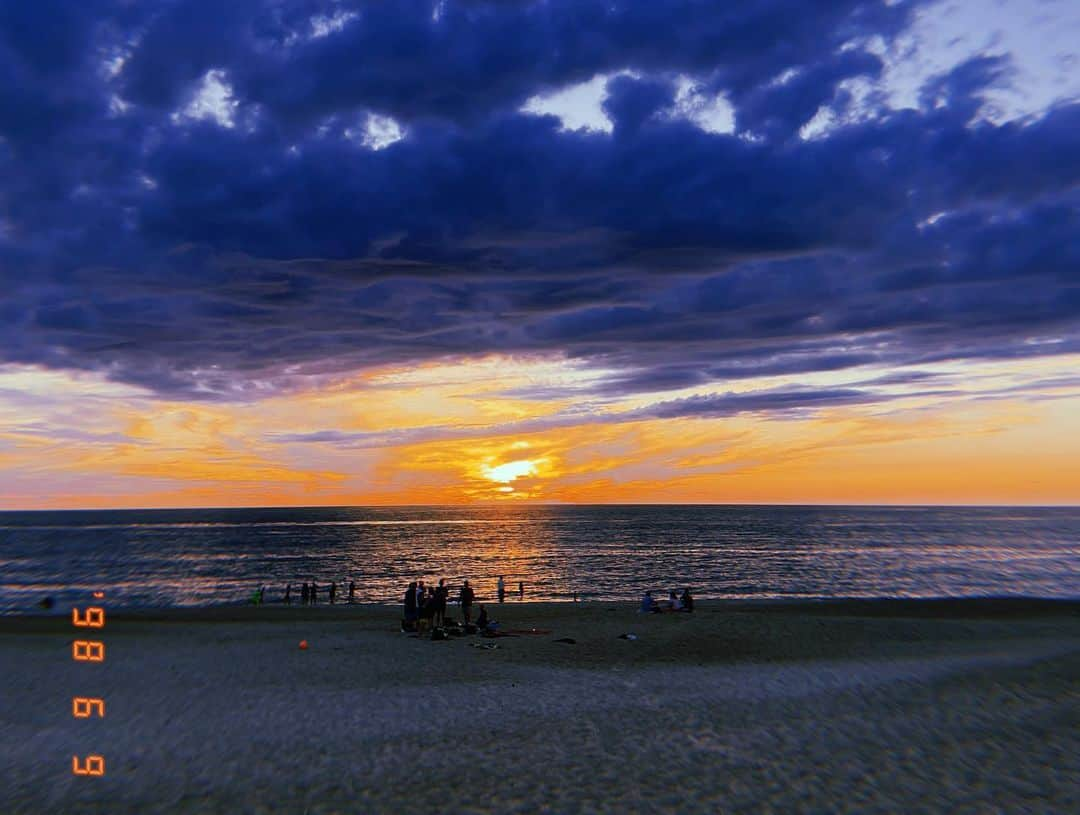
899, 706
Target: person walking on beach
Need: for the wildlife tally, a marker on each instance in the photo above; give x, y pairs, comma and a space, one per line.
352, 592
466, 598
500, 589
521, 590
333, 592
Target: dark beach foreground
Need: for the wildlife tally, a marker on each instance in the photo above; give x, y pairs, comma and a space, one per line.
847, 706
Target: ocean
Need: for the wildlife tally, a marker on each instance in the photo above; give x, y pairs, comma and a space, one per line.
204, 557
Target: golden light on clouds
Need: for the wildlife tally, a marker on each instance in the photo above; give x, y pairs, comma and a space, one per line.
466, 431
505, 473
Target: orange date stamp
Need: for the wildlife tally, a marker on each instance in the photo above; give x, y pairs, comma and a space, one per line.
86, 707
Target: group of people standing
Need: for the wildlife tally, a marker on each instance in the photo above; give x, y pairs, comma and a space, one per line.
309, 594
425, 606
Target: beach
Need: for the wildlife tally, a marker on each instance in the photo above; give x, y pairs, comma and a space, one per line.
874, 706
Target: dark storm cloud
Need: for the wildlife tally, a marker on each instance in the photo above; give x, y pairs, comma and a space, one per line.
203, 260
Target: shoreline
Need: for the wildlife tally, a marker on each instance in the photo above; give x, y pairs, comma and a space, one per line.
939, 607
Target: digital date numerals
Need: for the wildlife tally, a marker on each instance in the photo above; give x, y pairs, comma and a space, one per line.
86, 707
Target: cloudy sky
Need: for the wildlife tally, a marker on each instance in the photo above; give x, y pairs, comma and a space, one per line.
271, 252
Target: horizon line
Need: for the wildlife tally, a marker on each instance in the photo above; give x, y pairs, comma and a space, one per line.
491, 504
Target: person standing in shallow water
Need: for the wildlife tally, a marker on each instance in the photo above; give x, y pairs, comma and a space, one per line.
333, 592
521, 590
500, 589
352, 592
314, 595
288, 595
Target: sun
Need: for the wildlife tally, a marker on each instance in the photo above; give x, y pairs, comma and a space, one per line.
512, 470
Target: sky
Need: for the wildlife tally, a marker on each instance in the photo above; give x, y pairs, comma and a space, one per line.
327, 253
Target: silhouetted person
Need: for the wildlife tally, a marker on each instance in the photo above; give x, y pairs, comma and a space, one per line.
521, 590
427, 611
440, 603
466, 598
352, 592
46, 603
314, 593
288, 595
500, 589
333, 592
687, 600
303, 593
411, 608
482, 620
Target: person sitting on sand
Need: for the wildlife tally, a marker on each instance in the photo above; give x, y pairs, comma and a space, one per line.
676, 603
482, 620
687, 601
648, 605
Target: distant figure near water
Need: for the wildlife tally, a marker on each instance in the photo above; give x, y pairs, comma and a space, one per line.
288, 595
648, 605
410, 614
521, 590
439, 617
333, 592
314, 595
687, 601
352, 592
466, 599
500, 589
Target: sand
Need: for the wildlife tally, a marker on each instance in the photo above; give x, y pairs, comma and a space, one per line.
906, 707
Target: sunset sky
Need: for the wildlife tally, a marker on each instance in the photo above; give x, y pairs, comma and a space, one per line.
321, 253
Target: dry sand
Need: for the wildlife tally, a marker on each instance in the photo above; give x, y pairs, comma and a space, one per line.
902, 707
